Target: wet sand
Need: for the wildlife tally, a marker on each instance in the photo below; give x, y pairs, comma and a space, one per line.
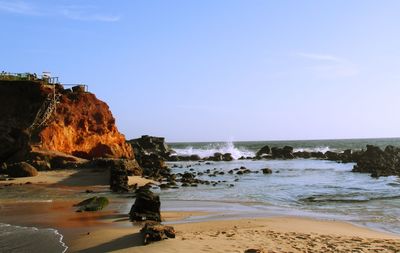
110, 230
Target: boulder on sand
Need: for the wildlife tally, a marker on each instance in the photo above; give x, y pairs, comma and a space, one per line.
21, 169
92, 204
153, 231
146, 206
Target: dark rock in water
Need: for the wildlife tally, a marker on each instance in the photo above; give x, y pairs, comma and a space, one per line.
195, 158
154, 166
21, 169
227, 157
242, 170
379, 162
187, 177
153, 231
146, 206
302, 154
217, 157
332, 156
184, 158
282, 153
151, 154
266, 150
348, 156
318, 155
266, 171
92, 204
147, 145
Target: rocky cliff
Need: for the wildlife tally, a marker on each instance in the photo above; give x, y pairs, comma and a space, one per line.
40, 116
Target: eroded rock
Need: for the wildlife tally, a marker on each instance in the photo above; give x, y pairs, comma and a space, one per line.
21, 169
146, 206
92, 204
154, 231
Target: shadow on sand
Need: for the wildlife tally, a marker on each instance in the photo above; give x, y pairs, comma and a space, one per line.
87, 177
123, 242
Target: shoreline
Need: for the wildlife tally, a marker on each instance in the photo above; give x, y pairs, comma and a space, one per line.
111, 230
202, 226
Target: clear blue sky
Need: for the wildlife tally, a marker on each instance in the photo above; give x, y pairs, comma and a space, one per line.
220, 70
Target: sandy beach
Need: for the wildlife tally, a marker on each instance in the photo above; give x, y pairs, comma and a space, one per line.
111, 231
283, 234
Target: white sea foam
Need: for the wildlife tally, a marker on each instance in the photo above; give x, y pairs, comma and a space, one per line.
30, 239
209, 150
314, 149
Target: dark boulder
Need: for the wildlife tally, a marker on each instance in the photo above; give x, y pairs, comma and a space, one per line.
21, 169
154, 166
92, 204
120, 169
266, 150
227, 157
146, 206
302, 154
184, 158
347, 156
217, 157
147, 145
318, 155
195, 158
41, 165
153, 231
282, 153
119, 180
266, 171
332, 156
379, 162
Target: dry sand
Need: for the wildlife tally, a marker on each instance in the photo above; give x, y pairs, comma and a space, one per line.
283, 234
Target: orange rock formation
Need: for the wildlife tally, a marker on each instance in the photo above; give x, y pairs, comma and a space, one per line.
80, 125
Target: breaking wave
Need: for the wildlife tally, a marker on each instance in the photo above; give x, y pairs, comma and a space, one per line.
316, 149
211, 148
30, 239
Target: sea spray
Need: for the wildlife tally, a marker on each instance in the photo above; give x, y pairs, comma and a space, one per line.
208, 149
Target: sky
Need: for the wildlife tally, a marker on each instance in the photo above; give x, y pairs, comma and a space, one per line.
215, 70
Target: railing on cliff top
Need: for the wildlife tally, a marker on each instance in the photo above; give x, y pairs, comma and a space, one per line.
49, 105
7, 76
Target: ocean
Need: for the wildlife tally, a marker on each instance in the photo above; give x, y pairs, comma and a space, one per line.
20, 239
305, 187
249, 148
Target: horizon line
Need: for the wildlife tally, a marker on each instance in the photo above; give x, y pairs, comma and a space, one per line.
283, 140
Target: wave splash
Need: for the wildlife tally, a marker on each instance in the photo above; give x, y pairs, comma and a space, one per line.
315, 149
211, 148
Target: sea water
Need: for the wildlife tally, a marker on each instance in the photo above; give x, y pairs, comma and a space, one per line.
306, 187
30, 239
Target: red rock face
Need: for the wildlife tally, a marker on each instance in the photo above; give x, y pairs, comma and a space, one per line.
81, 125
84, 126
